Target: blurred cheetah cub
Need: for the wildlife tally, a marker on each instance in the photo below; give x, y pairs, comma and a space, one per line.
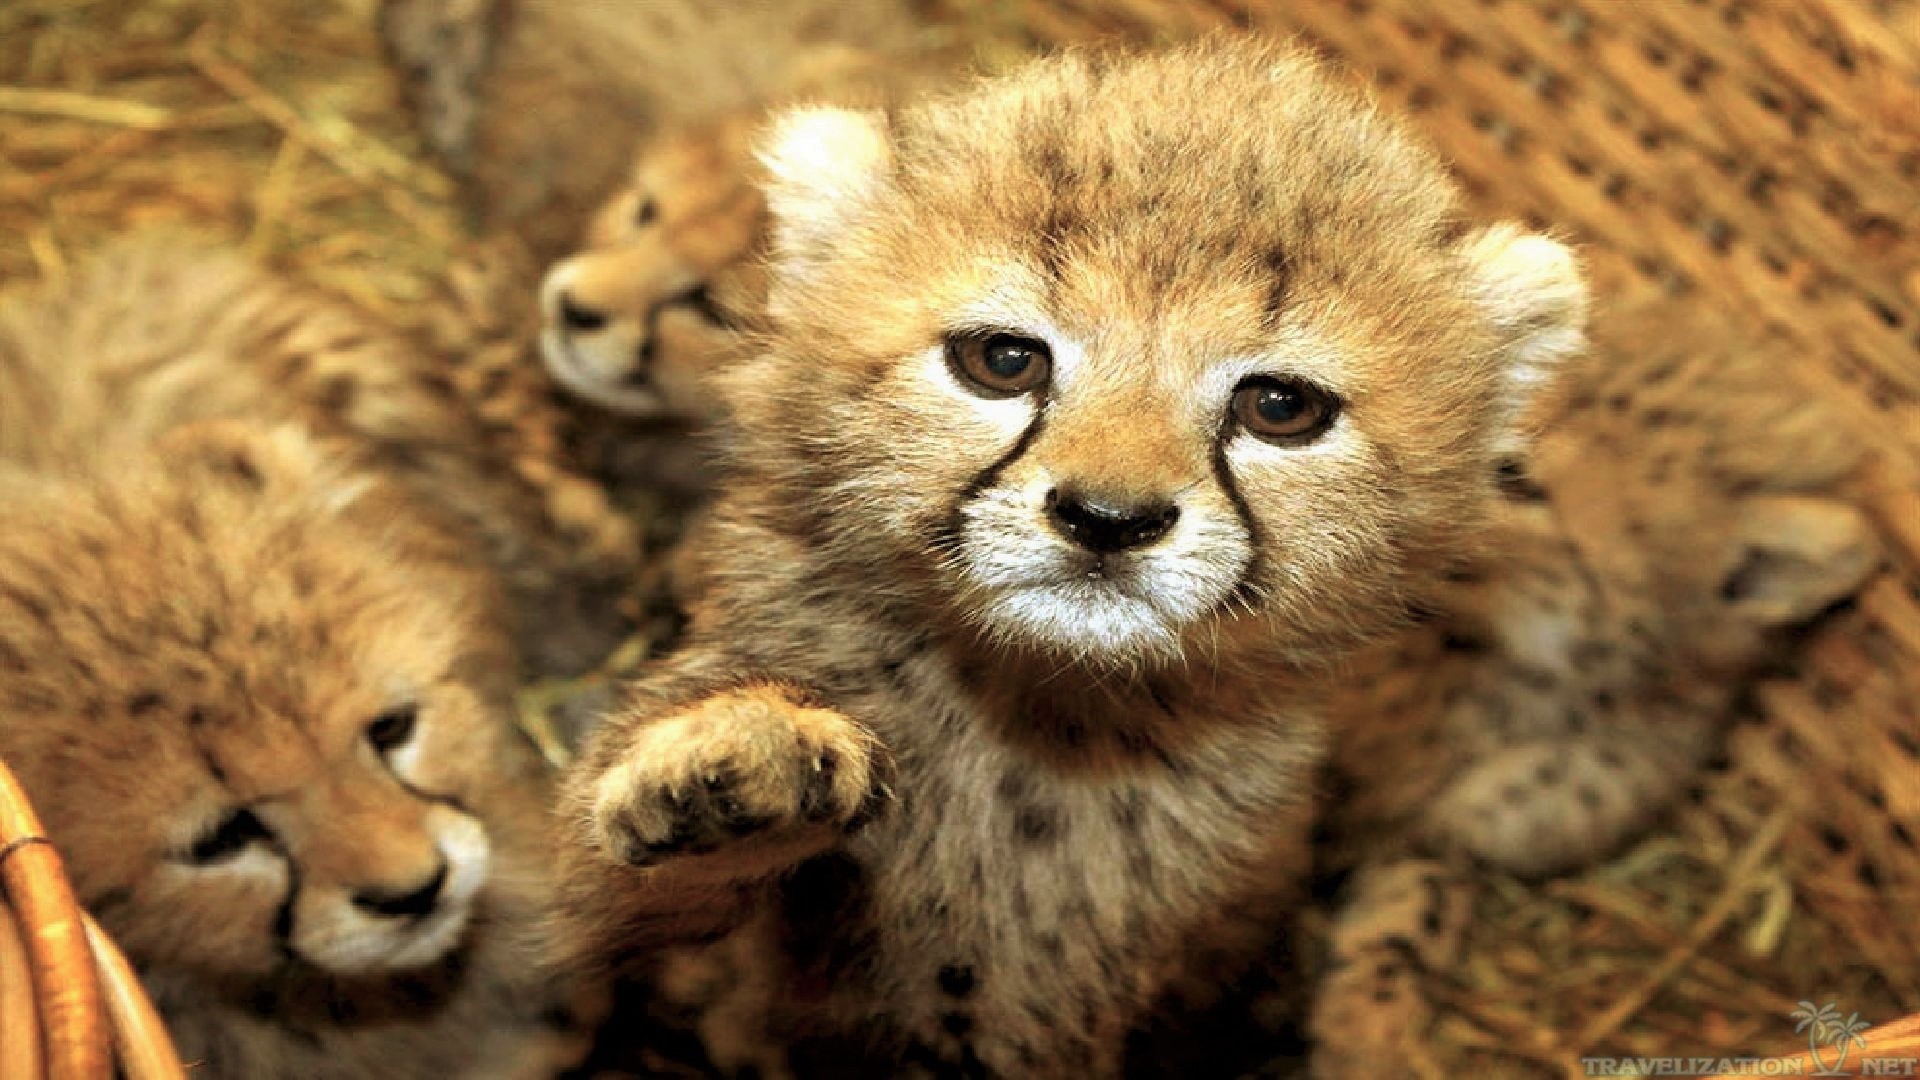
259, 690
1107, 403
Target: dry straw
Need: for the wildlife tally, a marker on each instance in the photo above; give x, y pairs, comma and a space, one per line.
1763, 157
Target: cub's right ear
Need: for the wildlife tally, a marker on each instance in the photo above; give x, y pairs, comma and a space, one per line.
825, 166
1532, 293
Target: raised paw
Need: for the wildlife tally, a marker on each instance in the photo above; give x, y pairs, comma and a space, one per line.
755, 765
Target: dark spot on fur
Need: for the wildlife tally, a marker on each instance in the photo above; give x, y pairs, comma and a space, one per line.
337, 393
437, 385
1037, 824
1534, 678
1172, 764
1511, 478
957, 1024
1129, 808
1279, 267
825, 906
243, 469
1589, 796
143, 703
30, 604
1140, 867
1014, 787
956, 980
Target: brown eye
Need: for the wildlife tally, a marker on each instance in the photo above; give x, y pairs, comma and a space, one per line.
1285, 411
644, 212
1000, 365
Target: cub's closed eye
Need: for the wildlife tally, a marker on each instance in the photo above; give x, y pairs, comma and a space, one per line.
392, 728
233, 835
1283, 411
999, 365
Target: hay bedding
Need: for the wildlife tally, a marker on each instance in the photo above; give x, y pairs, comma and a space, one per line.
1764, 157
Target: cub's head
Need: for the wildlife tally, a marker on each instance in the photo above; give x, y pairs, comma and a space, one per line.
256, 712
649, 306
1120, 357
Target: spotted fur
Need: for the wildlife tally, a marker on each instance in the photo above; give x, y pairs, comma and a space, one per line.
1672, 526
259, 689
671, 269
1080, 786
171, 329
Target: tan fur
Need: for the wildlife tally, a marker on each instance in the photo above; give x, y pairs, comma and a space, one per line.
160, 330
214, 626
202, 615
1669, 529
1089, 771
669, 273
671, 267
540, 104
1668, 523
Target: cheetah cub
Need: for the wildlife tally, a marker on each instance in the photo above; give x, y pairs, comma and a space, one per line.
668, 280
1107, 404
258, 693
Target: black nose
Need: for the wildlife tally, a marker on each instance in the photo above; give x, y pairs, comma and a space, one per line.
400, 903
576, 316
1107, 529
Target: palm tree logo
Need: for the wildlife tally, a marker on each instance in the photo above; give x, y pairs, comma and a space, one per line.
1825, 1028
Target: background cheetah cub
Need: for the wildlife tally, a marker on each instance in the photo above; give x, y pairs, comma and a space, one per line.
259, 691
1107, 403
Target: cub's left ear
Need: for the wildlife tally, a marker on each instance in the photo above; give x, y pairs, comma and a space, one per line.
1530, 288
279, 464
825, 166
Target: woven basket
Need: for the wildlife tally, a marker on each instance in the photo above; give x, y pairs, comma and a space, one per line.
71, 1007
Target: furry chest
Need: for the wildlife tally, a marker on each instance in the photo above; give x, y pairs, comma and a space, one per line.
1023, 919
